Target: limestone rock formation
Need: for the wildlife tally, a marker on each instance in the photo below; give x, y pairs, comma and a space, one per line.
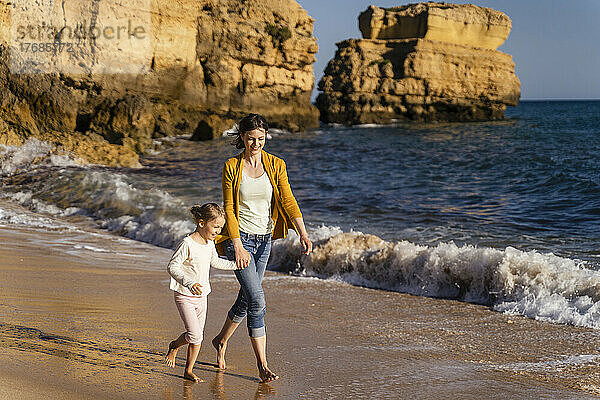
423, 62
463, 24
199, 66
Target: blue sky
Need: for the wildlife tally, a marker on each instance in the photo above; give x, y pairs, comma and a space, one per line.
554, 44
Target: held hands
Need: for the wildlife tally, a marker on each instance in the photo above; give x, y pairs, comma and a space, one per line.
242, 256
306, 243
196, 289
239, 267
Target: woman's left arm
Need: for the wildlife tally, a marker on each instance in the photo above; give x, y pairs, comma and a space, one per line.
290, 205
306, 243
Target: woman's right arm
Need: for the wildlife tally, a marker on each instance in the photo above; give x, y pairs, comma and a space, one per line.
242, 257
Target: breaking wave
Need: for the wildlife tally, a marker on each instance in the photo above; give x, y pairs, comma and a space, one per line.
540, 286
60, 186
33, 152
530, 283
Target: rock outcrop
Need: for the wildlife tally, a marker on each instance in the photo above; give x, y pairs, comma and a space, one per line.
467, 25
201, 65
423, 62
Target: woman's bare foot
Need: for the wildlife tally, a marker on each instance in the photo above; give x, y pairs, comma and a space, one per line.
220, 347
171, 354
192, 377
266, 375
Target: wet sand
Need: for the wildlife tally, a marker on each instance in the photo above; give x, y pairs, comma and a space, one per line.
84, 328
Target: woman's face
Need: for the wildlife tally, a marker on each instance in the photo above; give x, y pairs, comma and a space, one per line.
254, 141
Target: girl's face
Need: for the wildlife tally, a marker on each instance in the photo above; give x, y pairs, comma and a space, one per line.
210, 229
254, 141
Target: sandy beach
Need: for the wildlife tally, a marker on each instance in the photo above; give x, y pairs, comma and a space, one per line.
442, 159
85, 328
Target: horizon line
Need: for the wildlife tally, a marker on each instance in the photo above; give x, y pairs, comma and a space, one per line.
562, 99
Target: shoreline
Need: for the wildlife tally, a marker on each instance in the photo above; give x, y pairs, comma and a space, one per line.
77, 328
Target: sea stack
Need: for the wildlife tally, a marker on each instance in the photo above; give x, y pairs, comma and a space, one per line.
113, 73
421, 62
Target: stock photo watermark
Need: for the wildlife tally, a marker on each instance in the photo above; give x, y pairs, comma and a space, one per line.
107, 36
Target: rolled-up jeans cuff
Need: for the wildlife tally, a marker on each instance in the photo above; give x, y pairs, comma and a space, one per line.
257, 332
234, 317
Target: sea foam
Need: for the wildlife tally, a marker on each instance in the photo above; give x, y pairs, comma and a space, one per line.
33, 151
541, 286
143, 215
110, 197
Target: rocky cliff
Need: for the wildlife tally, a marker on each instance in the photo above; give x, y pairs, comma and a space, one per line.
128, 74
423, 62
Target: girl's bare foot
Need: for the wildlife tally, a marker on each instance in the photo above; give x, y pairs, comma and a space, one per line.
220, 347
171, 354
192, 377
266, 375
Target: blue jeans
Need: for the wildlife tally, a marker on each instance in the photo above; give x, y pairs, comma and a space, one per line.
251, 298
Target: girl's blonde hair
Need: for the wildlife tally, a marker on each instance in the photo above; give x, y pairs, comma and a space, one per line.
207, 212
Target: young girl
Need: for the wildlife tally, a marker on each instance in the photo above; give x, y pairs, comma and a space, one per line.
189, 268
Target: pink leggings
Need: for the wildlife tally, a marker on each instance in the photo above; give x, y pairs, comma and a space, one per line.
193, 313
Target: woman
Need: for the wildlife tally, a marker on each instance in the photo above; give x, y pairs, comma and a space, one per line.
259, 207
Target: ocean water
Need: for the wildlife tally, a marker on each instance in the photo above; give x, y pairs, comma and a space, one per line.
499, 213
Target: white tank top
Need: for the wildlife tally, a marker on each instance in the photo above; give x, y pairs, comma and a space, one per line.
255, 204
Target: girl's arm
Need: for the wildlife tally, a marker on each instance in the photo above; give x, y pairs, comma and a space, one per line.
175, 266
220, 263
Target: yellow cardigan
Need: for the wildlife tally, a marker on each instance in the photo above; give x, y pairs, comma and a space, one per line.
284, 207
